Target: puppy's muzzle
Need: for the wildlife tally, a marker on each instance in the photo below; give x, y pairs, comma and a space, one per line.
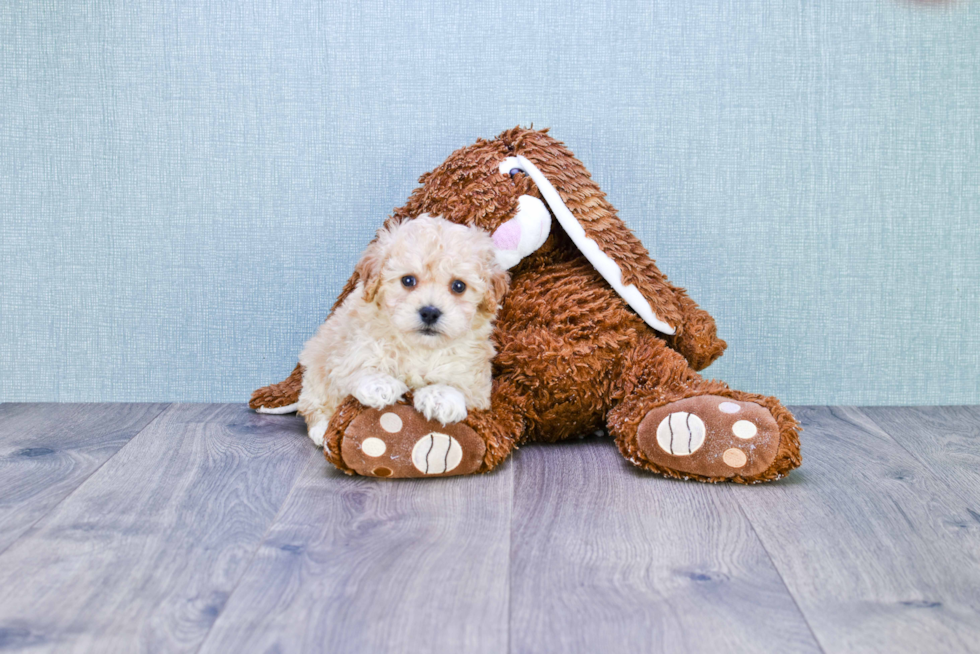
430, 315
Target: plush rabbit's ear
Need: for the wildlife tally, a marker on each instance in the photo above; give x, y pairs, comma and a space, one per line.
602, 262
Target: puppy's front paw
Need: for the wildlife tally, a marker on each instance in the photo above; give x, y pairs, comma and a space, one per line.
440, 402
317, 430
378, 390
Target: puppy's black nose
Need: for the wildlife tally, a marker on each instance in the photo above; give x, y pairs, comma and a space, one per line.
429, 315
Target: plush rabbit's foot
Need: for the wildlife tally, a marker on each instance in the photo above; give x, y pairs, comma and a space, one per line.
398, 442
710, 436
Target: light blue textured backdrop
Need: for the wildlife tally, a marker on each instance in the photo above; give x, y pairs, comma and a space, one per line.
184, 186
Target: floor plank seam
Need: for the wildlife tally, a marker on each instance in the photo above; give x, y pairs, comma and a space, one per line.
251, 558
762, 543
510, 550
923, 462
51, 510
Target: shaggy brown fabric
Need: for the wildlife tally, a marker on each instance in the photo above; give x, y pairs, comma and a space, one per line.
572, 356
278, 395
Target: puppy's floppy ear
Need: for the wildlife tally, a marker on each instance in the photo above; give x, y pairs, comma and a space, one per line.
369, 268
497, 286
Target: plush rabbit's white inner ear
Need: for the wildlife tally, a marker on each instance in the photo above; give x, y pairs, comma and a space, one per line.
602, 262
524, 233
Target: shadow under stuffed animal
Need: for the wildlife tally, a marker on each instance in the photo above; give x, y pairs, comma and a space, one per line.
590, 335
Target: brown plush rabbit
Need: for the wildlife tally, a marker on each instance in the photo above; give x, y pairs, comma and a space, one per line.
591, 335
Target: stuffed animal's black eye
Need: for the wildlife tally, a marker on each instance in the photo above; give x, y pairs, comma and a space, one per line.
514, 171
458, 287
408, 281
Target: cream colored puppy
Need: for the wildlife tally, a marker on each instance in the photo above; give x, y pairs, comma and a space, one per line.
420, 318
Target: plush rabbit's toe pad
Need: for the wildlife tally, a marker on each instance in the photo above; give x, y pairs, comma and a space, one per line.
398, 442
711, 436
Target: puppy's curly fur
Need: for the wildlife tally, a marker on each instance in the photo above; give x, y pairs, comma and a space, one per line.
420, 319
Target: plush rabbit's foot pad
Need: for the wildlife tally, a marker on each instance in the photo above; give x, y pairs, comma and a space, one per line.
398, 442
711, 436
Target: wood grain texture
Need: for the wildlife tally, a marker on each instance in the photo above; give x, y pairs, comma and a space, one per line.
608, 558
945, 439
144, 554
364, 565
47, 450
220, 529
877, 551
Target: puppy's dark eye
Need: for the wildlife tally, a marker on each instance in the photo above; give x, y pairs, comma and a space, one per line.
514, 171
458, 287
408, 281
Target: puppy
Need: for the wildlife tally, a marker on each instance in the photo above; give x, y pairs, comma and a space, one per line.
420, 318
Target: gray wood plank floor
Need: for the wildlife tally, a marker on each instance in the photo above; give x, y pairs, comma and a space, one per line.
880, 554
603, 560
47, 453
208, 528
